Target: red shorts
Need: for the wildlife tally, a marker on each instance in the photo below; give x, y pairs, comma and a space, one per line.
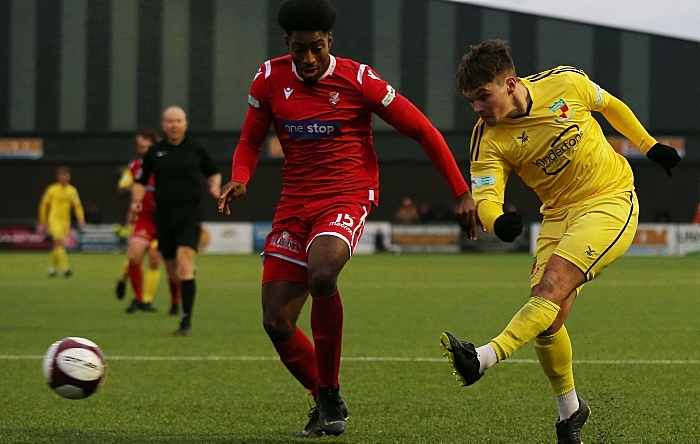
296, 225
144, 230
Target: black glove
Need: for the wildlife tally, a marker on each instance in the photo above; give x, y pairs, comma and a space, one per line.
508, 226
665, 156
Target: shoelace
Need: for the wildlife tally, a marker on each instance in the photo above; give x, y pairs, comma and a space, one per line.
312, 409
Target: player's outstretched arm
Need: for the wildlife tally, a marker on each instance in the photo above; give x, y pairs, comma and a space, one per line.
230, 192
623, 120
410, 121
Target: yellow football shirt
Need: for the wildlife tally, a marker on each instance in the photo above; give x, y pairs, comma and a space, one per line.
556, 147
57, 202
126, 180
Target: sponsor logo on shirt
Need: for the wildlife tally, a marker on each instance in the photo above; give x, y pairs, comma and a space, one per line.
288, 92
562, 111
286, 242
311, 129
563, 147
253, 101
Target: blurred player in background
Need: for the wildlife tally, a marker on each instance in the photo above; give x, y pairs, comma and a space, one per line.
143, 238
58, 202
542, 127
144, 139
321, 107
177, 166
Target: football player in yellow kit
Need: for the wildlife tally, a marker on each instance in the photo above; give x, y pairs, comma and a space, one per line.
542, 128
58, 201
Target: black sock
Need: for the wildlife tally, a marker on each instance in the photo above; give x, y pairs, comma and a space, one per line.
188, 291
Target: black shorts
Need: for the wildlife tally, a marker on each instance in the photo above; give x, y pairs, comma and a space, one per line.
178, 227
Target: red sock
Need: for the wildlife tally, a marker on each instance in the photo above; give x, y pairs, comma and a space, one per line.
327, 329
174, 292
297, 354
136, 278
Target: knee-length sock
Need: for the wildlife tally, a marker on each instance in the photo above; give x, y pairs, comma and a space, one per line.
327, 331
299, 356
136, 278
534, 318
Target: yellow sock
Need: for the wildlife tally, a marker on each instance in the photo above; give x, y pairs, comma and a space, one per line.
555, 355
124, 275
150, 284
534, 318
62, 258
54, 258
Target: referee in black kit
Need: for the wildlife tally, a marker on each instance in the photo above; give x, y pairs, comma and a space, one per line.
179, 165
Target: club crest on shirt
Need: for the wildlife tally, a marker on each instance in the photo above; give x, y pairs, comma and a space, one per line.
333, 98
562, 111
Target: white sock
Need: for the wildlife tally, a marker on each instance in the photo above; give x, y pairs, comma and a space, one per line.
567, 404
487, 357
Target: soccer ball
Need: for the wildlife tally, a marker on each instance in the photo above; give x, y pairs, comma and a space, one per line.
74, 367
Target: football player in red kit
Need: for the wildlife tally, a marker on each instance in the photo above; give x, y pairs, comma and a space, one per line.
321, 107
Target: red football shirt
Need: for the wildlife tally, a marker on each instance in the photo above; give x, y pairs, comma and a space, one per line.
325, 130
148, 203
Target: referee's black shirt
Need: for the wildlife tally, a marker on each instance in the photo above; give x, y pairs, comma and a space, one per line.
179, 172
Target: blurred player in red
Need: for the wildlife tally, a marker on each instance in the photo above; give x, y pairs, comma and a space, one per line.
143, 238
321, 107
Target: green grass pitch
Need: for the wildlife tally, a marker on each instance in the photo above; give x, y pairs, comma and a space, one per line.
635, 331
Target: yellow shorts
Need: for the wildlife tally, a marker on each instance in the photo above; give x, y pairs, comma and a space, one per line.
59, 230
590, 234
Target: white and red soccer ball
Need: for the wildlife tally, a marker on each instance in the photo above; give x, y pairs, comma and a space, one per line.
74, 367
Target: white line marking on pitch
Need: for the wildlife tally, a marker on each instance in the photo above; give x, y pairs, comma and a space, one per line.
370, 359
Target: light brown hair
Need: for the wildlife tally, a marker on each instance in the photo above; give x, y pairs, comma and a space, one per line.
484, 63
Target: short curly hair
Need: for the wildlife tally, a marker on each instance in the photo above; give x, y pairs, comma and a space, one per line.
150, 134
484, 63
306, 15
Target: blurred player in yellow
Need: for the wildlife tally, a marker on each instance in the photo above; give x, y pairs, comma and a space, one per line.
143, 238
59, 201
542, 127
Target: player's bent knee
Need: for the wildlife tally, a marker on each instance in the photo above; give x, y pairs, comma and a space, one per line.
277, 328
322, 284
